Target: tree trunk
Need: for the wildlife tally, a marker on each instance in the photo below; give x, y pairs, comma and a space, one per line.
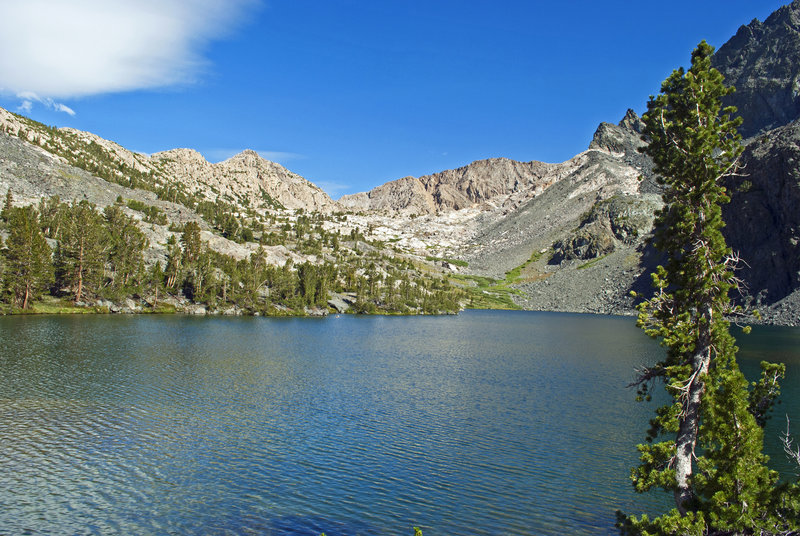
27, 293
80, 286
689, 423
80, 273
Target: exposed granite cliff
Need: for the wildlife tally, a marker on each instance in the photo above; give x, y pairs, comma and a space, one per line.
404, 196
485, 181
245, 178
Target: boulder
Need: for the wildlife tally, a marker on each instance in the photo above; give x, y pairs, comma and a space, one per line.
338, 303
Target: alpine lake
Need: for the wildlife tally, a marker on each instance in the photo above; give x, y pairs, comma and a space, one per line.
488, 422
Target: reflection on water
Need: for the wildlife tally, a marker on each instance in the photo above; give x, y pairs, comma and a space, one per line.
484, 423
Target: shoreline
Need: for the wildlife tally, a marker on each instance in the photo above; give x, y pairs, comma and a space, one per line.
199, 310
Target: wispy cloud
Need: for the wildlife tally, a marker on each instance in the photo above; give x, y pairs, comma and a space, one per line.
28, 98
60, 50
280, 157
334, 189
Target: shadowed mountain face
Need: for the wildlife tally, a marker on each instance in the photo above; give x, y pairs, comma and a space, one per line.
763, 221
763, 225
763, 61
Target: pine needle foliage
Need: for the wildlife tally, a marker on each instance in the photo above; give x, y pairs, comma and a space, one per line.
28, 269
705, 445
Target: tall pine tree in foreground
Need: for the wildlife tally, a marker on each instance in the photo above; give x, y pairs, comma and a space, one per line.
705, 445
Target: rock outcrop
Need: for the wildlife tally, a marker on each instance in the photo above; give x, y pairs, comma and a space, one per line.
623, 138
622, 219
485, 181
404, 196
245, 179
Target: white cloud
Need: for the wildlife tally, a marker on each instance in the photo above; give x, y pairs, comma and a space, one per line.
63, 108
29, 98
60, 50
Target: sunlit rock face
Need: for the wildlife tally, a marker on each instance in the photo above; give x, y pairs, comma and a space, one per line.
245, 178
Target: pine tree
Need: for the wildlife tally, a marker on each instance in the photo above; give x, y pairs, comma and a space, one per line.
174, 268
52, 214
192, 245
255, 276
155, 281
196, 262
706, 445
126, 246
81, 254
7, 204
29, 269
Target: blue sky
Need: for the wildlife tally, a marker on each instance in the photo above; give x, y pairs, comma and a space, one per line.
351, 94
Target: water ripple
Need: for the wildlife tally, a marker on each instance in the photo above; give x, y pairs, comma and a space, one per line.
488, 423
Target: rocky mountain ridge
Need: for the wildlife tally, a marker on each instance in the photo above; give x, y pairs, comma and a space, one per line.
573, 233
493, 180
245, 179
593, 260
761, 62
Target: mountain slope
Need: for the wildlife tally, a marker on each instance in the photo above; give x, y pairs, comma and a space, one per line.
592, 267
246, 179
580, 241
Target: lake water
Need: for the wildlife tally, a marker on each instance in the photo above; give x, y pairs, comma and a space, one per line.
483, 423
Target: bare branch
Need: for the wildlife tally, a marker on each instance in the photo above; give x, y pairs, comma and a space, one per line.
647, 375
792, 451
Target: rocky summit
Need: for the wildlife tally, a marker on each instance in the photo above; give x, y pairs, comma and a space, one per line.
245, 178
761, 60
569, 236
492, 181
